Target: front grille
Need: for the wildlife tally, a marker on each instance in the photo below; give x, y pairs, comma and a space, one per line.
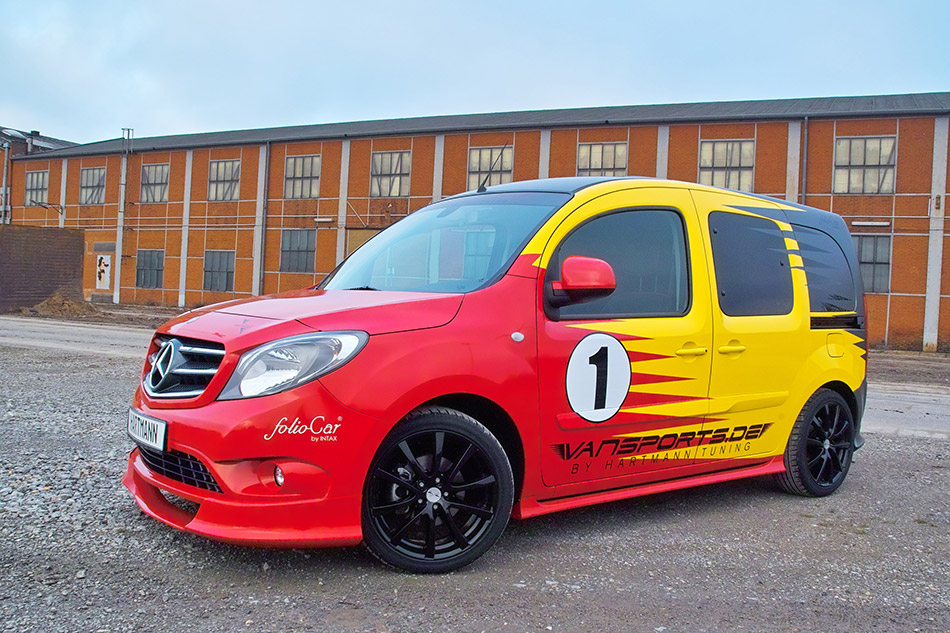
180, 467
181, 367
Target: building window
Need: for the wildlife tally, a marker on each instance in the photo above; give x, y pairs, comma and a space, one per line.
92, 185
298, 249
37, 188
149, 268
389, 175
155, 183
865, 165
224, 180
727, 164
302, 177
219, 271
874, 256
481, 161
602, 159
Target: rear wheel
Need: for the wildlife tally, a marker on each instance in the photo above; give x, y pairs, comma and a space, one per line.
438, 494
819, 451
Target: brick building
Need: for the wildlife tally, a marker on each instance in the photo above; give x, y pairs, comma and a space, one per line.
200, 218
16, 143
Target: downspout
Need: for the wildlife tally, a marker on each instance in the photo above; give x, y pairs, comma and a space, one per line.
264, 218
6, 194
805, 163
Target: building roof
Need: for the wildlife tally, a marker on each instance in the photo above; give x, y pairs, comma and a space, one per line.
40, 143
934, 103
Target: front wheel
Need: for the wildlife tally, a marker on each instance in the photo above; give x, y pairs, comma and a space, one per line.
820, 448
438, 494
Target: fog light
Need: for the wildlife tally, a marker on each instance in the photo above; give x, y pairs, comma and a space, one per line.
278, 476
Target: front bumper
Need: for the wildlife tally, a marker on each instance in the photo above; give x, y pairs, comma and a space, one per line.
240, 442
294, 523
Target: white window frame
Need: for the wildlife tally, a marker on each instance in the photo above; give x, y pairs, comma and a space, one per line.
390, 174
852, 178
590, 153
40, 194
92, 185
224, 180
154, 183
725, 163
307, 181
502, 172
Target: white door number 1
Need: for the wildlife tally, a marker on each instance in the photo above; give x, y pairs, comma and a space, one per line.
598, 377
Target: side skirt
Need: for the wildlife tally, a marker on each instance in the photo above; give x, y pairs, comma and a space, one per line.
528, 508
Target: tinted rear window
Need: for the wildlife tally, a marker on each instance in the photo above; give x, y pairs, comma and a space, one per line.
830, 284
752, 269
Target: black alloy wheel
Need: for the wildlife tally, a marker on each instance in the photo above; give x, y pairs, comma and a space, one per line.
439, 492
821, 446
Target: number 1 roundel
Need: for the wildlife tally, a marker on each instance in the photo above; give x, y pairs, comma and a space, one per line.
598, 377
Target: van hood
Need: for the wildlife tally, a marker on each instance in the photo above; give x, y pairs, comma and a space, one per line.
373, 311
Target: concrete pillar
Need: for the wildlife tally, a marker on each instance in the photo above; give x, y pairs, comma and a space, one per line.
341, 212
937, 207
437, 164
258, 250
119, 231
185, 224
662, 150
544, 161
793, 160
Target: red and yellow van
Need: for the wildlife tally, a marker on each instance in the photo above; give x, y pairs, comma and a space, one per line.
530, 348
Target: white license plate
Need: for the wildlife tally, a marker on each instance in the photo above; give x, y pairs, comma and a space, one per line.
146, 430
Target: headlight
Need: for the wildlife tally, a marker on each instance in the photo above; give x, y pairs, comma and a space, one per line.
291, 362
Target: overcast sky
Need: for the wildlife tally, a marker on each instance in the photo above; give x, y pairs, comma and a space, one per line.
82, 70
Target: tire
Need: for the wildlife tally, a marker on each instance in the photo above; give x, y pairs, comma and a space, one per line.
438, 493
819, 450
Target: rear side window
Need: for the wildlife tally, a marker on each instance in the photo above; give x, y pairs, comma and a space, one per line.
647, 251
752, 269
830, 284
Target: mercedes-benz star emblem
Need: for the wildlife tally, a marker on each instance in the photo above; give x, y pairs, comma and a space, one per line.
164, 362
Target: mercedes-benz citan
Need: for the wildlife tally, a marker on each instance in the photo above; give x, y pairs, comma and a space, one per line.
533, 347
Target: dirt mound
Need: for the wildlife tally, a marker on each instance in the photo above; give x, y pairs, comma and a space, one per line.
59, 306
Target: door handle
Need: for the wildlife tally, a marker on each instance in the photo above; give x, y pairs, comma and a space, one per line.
732, 349
691, 351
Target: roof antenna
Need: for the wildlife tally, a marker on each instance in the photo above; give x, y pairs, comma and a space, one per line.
481, 187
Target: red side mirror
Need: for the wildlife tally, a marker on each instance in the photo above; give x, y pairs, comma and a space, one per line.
583, 279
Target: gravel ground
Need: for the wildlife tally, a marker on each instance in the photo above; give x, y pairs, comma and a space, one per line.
77, 555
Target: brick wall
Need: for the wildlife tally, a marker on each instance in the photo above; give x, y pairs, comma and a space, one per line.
36, 262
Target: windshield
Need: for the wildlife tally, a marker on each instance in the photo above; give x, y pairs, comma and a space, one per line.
457, 245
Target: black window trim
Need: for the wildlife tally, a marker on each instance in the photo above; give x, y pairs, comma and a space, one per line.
554, 274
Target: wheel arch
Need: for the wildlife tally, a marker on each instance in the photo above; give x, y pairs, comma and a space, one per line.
496, 420
845, 392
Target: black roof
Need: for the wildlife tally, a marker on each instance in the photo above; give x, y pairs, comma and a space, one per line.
935, 103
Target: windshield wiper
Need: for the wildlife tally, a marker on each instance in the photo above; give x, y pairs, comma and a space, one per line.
362, 288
